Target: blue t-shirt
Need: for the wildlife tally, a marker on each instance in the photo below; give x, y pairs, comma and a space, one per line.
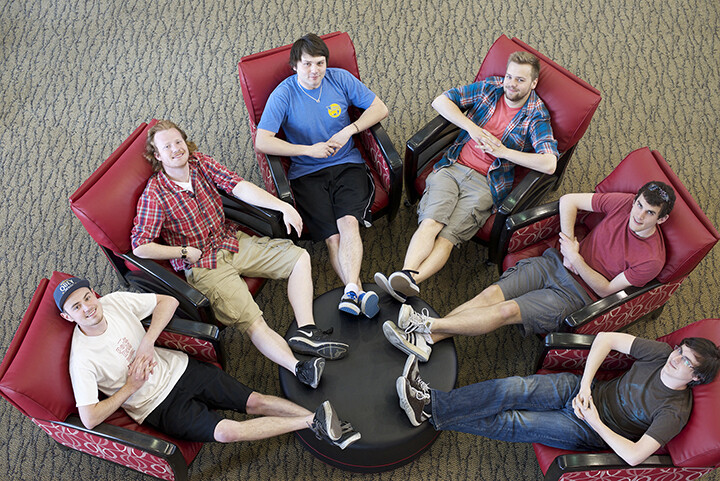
305, 121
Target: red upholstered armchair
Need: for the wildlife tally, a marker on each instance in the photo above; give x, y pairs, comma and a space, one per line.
106, 204
688, 234
694, 452
571, 103
34, 377
260, 73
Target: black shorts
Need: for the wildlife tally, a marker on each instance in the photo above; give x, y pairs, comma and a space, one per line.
188, 411
331, 193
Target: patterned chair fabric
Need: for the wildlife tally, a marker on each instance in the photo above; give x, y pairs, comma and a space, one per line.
694, 452
260, 73
43, 392
689, 236
571, 103
106, 204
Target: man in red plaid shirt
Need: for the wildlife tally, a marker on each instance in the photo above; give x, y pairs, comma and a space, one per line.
181, 206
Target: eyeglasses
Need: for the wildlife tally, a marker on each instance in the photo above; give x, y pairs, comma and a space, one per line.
685, 359
663, 195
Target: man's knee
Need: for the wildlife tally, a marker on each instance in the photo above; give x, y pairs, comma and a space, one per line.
490, 295
510, 312
257, 403
431, 226
347, 225
225, 431
303, 262
333, 242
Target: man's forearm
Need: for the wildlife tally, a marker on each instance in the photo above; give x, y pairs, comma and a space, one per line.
545, 163
452, 113
268, 143
599, 350
252, 194
631, 452
153, 250
372, 115
94, 414
161, 316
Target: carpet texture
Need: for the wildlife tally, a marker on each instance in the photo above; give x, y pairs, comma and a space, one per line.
78, 76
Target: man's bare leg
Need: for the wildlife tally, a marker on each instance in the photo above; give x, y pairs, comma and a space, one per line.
300, 291
271, 344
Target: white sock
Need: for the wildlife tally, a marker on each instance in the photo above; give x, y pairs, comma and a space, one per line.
351, 287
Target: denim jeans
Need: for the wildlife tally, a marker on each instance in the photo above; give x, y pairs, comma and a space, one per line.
533, 409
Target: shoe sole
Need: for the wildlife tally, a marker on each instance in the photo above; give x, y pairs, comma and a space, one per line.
404, 404
329, 350
397, 341
408, 366
331, 422
384, 284
369, 305
400, 283
344, 443
349, 308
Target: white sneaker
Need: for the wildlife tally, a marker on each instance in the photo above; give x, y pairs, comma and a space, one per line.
408, 342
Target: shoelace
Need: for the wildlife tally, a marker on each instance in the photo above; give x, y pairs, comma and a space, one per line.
416, 321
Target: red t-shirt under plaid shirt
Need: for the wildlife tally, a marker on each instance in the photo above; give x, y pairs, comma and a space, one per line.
180, 217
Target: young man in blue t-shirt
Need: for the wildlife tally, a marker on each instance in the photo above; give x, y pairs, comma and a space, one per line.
327, 172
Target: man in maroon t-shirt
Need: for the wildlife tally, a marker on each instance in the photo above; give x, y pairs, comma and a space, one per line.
626, 248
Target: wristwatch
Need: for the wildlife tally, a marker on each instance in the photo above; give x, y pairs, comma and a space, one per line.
183, 252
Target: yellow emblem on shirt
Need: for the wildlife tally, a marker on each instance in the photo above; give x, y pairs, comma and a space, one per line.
334, 110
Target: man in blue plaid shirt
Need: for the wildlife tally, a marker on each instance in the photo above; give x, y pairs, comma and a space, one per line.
506, 125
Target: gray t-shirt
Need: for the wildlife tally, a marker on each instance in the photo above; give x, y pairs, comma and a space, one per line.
638, 402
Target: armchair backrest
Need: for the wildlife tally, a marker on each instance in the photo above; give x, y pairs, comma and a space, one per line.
570, 100
698, 444
34, 374
106, 202
260, 73
689, 234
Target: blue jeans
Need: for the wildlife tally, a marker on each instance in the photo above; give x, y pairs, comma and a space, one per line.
533, 409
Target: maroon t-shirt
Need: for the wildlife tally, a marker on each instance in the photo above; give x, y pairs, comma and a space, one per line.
611, 247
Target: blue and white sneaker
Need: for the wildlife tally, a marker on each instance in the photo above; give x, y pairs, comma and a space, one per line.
369, 303
350, 304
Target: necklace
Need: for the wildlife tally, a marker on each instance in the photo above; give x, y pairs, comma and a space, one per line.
317, 100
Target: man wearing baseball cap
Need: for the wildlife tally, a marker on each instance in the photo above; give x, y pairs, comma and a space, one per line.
111, 352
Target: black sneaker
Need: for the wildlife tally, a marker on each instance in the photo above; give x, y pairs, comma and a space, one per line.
414, 395
313, 341
309, 372
348, 436
326, 424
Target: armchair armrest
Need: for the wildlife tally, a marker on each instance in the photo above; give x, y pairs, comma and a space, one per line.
568, 463
152, 277
422, 147
565, 351
531, 189
265, 222
282, 184
393, 164
197, 339
142, 441
606, 304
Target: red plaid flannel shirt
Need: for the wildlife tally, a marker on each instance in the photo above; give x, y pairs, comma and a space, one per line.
180, 217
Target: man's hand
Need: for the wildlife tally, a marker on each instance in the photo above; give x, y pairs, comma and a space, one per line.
146, 350
194, 254
582, 402
487, 142
323, 150
570, 250
138, 372
588, 412
292, 220
341, 138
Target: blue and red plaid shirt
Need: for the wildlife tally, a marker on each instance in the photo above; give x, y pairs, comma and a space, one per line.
528, 131
180, 217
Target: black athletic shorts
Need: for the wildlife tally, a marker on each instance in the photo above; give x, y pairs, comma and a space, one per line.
188, 411
331, 193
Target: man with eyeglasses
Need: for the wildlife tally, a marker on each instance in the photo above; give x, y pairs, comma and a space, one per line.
633, 414
625, 248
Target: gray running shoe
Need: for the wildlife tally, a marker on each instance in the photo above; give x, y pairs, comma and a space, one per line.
326, 424
408, 342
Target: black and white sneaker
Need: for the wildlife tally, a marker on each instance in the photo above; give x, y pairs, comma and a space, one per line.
309, 372
348, 436
410, 343
403, 283
313, 341
326, 424
414, 396
383, 283
411, 370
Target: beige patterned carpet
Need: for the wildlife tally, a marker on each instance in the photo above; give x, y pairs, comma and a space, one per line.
77, 76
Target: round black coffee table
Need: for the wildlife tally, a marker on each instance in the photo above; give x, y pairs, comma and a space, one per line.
361, 387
